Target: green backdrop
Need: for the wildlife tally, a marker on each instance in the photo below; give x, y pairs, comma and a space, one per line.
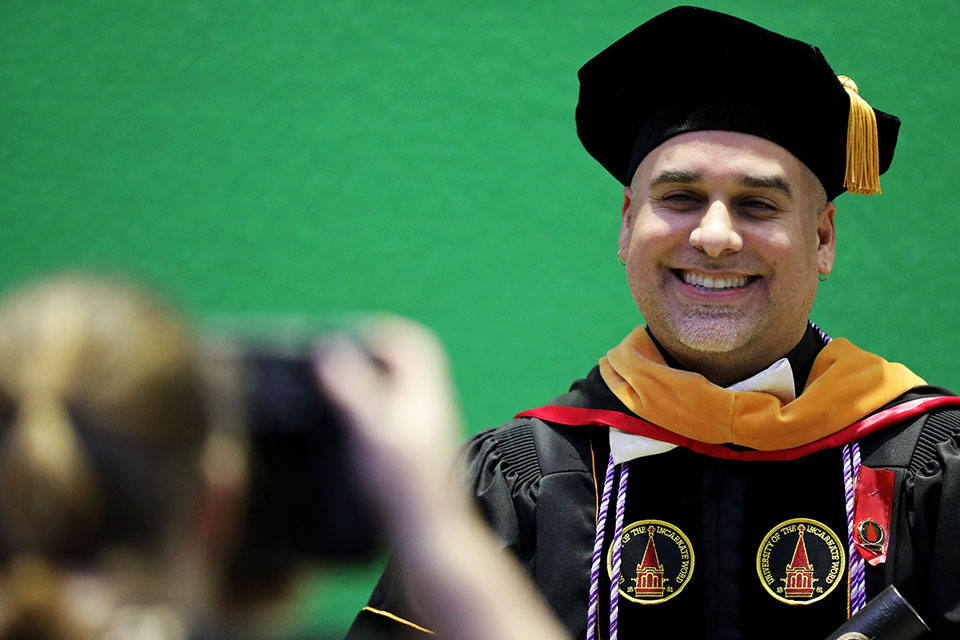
420, 156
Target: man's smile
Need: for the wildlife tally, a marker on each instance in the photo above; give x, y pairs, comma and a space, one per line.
710, 283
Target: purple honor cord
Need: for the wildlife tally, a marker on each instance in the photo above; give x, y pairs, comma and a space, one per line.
617, 545
598, 552
851, 466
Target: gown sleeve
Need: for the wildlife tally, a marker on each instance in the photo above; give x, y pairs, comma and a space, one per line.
927, 569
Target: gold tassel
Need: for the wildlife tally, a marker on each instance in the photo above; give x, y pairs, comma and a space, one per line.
863, 145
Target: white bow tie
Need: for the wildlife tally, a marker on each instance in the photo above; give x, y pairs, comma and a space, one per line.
777, 380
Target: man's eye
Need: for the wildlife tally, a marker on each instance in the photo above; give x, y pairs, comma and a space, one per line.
758, 205
681, 199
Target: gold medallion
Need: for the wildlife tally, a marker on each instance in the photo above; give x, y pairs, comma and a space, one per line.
656, 562
801, 561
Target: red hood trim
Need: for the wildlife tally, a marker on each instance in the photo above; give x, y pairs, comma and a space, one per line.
631, 424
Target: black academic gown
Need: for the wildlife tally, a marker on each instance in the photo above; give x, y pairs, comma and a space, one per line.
727, 558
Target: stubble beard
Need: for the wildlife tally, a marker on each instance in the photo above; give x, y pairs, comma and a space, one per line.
709, 329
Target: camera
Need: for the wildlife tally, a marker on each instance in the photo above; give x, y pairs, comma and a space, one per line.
303, 502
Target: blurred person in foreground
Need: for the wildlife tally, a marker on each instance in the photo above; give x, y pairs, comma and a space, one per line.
140, 494
728, 470
117, 498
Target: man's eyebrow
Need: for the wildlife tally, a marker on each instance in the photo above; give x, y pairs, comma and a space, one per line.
749, 181
675, 177
766, 182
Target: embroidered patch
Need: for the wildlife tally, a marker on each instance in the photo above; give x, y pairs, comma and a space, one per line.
656, 562
800, 561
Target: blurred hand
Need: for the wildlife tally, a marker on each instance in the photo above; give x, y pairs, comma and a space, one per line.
397, 398
393, 386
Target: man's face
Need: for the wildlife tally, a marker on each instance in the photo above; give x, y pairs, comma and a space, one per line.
724, 235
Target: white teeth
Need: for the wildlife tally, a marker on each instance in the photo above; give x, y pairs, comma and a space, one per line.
706, 282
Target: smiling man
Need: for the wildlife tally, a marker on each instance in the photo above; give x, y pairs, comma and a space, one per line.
728, 470
724, 235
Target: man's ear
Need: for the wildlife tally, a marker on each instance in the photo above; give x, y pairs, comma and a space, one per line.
826, 239
626, 216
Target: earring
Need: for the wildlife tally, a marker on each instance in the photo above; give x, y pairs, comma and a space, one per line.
824, 277
620, 259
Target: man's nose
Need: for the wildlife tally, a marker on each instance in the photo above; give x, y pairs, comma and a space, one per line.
716, 233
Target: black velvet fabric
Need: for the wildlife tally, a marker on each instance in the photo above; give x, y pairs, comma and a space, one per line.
692, 69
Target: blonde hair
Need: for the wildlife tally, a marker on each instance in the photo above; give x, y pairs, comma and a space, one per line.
94, 373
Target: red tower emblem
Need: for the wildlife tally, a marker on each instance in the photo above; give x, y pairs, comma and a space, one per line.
801, 561
649, 572
663, 559
799, 577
